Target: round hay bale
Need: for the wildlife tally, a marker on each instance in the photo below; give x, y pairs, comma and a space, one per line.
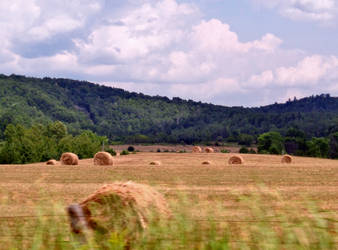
206, 163
209, 150
127, 207
51, 162
235, 159
103, 159
197, 149
156, 163
69, 159
286, 159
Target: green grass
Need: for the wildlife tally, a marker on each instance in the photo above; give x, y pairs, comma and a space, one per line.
291, 227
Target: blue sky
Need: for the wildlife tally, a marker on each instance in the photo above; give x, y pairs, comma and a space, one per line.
234, 53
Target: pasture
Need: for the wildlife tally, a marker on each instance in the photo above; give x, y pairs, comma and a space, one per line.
245, 204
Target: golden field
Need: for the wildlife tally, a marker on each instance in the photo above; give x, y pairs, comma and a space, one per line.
317, 179
214, 189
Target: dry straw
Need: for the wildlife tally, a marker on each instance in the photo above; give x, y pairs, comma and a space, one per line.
118, 206
69, 159
209, 150
156, 163
197, 149
51, 162
103, 159
286, 159
236, 159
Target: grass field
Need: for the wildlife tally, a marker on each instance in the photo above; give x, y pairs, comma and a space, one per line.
246, 205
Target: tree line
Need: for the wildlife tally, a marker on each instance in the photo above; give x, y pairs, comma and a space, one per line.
296, 143
40, 143
136, 118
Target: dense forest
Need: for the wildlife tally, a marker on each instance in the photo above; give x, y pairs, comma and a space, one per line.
131, 117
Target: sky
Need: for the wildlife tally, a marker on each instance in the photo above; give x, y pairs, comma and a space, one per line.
228, 52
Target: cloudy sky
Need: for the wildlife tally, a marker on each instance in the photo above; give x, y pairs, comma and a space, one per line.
229, 52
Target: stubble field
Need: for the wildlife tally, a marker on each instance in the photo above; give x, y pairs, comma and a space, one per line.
235, 196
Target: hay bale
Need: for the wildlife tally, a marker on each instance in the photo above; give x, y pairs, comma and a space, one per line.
128, 207
156, 163
235, 159
51, 162
206, 163
197, 149
209, 150
286, 159
103, 159
69, 159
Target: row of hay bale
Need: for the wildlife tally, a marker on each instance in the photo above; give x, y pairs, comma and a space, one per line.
198, 149
100, 159
238, 159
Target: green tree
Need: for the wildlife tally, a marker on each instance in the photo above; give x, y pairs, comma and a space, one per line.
271, 142
333, 146
318, 147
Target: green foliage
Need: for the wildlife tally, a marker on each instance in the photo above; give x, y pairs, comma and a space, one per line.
245, 139
124, 152
252, 151
318, 147
136, 118
225, 151
333, 146
271, 142
40, 143
110, 150
244, 150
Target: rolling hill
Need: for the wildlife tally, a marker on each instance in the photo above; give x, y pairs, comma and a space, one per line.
133, 117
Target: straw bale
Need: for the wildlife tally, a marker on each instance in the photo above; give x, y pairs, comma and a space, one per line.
209, 150
51, 162
286, 159
236, 159
103, 159
197, 149
119, 206
69, 159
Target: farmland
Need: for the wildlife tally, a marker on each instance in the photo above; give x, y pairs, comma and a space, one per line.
306, 187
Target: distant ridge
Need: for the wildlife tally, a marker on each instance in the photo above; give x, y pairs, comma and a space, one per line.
128, 116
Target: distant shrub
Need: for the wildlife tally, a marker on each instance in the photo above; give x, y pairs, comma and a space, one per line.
225, 151
182, 151
244, 150
110, 150
124, 152
252, 151
166, 150
158, 150
131, 149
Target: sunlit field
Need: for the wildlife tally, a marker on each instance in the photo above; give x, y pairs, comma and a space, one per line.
261, 204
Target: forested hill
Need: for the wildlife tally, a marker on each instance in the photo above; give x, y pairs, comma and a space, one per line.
132, 117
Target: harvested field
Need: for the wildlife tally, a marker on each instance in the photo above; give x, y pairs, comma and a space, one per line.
281, 186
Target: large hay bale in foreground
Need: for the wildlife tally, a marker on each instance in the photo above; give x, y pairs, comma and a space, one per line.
286, 159
155, 163
69, 159
209, 150
103, 159
236, 159
51, 162
197, 149
127, 207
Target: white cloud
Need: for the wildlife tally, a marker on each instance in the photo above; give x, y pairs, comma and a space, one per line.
316, 10
159, 47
